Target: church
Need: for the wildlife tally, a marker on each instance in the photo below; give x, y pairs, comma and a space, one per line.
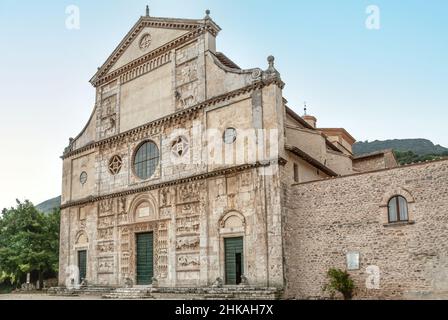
194, 173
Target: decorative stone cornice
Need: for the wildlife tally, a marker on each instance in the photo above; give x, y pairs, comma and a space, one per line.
177, 115
196, 29
198, 177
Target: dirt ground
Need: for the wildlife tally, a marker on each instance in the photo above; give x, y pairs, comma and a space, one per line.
43, 296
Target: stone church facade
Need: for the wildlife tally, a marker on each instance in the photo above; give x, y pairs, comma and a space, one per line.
193, 172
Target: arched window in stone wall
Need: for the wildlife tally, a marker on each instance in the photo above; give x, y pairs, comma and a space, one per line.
397, 206
397, 209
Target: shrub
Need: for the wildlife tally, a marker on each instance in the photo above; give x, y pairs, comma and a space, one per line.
340, 281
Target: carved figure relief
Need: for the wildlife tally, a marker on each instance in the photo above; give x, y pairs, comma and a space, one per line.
188, 193
145, 41
105, 233
188, 209
108, 106
186, 96
188, 261
105, 265
187, 225
165, 197
186, 73
106, 222
105, 207
187, 244
165, 213
162, 248
105, 247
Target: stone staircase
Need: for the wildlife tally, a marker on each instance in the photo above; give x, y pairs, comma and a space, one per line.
129, 294
203, 293
73, 292
225, 293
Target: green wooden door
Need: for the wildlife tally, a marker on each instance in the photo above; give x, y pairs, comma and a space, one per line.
145, 258
82, 264
234, 260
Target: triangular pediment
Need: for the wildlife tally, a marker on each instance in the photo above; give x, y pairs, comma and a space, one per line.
147, 35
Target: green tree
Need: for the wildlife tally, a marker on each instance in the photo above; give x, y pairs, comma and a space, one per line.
29, 242
407, 157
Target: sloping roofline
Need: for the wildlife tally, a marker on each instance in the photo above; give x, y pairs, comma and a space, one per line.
155, 22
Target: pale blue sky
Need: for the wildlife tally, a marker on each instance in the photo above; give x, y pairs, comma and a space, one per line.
378, 84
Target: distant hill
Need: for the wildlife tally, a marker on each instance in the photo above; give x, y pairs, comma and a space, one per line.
49, 205
419, 147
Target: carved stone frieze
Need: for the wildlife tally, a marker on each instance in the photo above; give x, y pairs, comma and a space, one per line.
187, 243
188, 262
106, 265
105, 207
105, 247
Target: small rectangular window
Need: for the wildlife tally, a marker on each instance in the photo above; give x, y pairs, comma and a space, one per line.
296, 172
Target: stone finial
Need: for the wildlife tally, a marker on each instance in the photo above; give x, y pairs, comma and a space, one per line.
271, 71
207, 14
271, 60
147, 11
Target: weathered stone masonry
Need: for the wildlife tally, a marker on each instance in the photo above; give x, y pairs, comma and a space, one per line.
166, 86
326, 219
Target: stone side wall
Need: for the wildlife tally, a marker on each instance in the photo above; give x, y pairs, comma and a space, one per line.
325, 220
369, 163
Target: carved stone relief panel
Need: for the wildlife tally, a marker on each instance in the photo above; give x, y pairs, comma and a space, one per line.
165, 197
108, 116
105, 234
186, 73
188, 193
162, 250
105, 247
122, 212
189, 243
188, 262
105, 208
108, 106
125, 250
105, 265
188, 209
165, 213
186, 95
187, 225
106, 222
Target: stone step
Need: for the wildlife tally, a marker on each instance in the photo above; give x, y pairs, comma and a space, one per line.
203, 293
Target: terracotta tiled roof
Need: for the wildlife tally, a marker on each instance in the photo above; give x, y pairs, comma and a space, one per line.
226, 61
